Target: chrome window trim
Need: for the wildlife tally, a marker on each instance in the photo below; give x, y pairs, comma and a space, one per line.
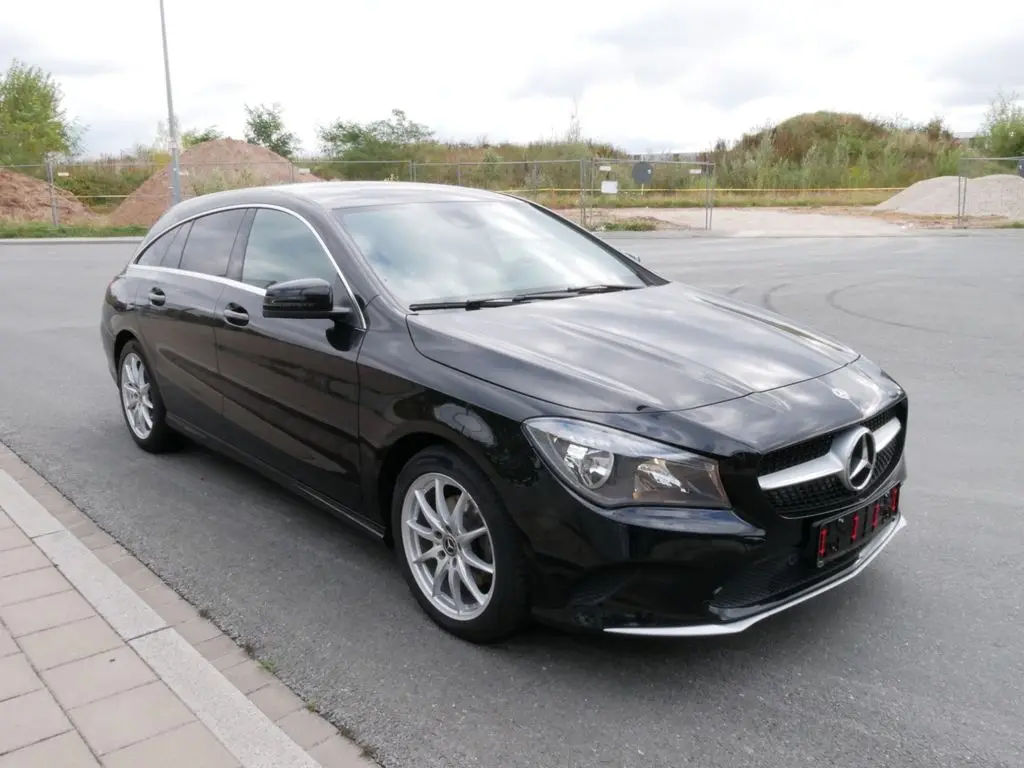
829, 464
133, 265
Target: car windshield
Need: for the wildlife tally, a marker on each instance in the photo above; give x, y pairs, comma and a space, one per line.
454, 251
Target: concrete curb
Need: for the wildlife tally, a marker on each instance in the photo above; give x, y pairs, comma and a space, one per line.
253, 714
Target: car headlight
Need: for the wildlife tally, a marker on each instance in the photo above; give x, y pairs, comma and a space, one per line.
614, 469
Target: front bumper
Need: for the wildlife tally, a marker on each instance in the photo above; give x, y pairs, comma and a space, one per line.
863, 559
597, 574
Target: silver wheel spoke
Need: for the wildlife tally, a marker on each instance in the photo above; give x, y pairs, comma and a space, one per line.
458, 511
469, 536
431, 554
440, 503
442, 571
456, 588
426, 533
476, 563
428, 512
467, 579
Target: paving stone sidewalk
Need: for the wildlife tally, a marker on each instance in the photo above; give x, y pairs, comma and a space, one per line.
102, 664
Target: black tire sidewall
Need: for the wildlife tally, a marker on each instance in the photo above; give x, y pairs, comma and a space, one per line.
508, 609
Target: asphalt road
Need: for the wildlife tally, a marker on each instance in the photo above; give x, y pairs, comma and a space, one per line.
916, 664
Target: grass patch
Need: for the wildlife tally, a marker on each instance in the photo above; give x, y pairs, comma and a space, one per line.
628, 225
1010, 225
35, 229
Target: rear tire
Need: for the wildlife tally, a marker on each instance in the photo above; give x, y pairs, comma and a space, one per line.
463, 560
141, 405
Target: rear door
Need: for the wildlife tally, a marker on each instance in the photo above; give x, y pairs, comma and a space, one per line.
177, 301
291, 387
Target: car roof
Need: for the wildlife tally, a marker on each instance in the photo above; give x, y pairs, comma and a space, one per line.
335, 194
303, 196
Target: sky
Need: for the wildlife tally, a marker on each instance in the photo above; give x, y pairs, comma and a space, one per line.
647, 75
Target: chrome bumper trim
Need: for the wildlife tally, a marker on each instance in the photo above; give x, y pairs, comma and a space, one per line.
735, 627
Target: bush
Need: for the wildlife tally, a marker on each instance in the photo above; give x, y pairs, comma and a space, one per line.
1003, 130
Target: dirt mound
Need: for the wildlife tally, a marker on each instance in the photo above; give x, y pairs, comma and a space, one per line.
24, 198
208, 167
1000, 195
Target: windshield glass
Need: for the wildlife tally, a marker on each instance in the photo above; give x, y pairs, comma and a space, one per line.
450, 251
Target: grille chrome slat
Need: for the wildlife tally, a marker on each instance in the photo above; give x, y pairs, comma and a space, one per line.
827, 465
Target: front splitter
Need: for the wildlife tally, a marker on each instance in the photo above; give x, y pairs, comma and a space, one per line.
735, 627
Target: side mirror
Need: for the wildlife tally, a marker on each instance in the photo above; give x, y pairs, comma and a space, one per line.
308, 298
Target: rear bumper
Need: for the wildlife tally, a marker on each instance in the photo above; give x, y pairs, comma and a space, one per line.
726, 627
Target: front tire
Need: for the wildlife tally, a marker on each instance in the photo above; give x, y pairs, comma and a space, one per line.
457, 548
141, 405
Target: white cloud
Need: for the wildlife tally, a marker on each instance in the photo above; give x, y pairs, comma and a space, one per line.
651, 73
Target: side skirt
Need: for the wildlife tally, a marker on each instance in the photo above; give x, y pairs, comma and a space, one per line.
318, 499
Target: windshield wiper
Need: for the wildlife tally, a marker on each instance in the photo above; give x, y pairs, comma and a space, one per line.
574, 291
494, 301
504, 301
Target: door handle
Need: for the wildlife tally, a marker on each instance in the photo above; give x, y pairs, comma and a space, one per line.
157, 297
236, 315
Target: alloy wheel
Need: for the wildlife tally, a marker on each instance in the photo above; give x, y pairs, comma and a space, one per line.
448, 546
136, 397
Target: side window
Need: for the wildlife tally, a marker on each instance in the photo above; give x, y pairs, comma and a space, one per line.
281, 247
154, 253
209, 244
173, 256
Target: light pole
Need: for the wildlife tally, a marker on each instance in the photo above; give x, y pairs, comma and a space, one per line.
171, 123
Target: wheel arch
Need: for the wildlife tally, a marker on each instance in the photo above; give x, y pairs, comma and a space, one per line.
120, 341
474, 446
400, 453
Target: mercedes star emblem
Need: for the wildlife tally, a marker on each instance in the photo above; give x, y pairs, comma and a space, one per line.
842, 394
860, 461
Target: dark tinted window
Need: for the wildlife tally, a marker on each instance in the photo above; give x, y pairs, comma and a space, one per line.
209, 244
173, 255
281, 247
153, 255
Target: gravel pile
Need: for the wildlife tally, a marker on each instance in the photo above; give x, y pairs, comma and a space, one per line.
208, 167
1000, 195
24, 198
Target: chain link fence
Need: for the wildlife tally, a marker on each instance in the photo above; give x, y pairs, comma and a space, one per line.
990, 187
555, 183
640, 184
597, 192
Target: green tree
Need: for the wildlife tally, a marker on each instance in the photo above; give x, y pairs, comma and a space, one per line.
194, 136
393, 139
33, 122
1002, 132
265, 126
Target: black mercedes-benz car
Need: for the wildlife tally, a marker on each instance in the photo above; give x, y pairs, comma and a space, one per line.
539, 425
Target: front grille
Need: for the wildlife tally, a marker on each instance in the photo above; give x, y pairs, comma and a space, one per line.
826, 493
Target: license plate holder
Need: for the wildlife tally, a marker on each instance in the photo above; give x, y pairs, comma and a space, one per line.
842, 534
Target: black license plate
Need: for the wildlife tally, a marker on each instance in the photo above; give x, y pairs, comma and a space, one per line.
841, 535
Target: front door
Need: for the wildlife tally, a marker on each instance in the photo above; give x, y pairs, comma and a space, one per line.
291, 387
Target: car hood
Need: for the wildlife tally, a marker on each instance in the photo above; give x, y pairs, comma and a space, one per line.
663, 348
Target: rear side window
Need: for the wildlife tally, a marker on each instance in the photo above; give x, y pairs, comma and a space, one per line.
173, 256
209, 244
154, 254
